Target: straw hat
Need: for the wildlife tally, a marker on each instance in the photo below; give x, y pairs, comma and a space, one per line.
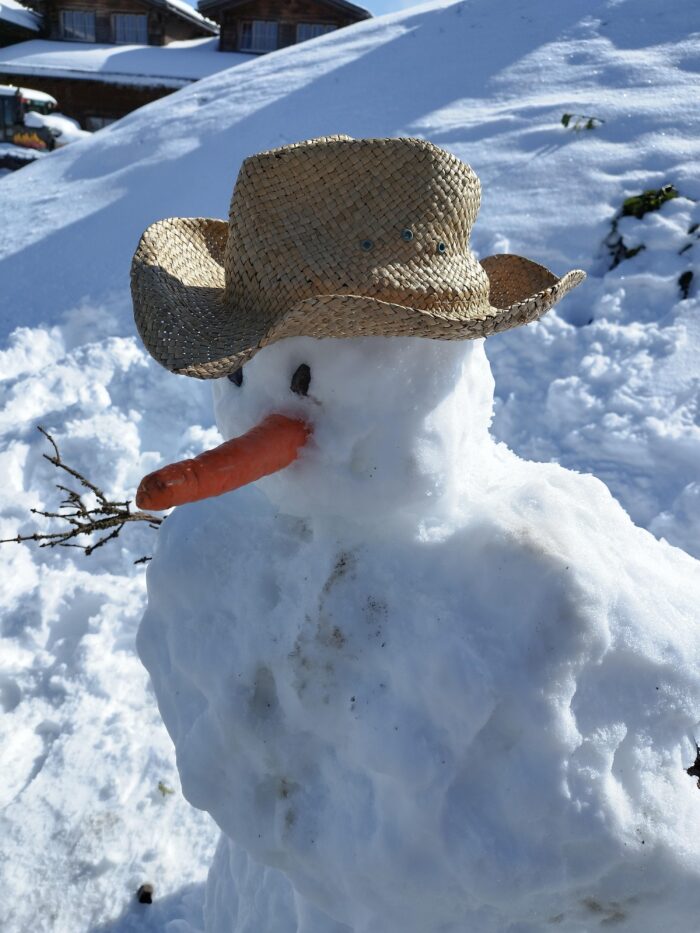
332, 237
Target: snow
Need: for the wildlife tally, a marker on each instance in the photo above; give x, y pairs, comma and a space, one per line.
174, 65
190, 12
617, 398
65, 129
17, 156
19, 15
38, 96
83, 750
9, 149
413, 672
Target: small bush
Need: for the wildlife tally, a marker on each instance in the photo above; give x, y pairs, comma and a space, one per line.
640, 204
637, 205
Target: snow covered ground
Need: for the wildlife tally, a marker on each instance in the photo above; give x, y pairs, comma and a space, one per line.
610, 385
17, 157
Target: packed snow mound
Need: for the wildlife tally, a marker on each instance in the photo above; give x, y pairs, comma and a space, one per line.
65, 130
466, 702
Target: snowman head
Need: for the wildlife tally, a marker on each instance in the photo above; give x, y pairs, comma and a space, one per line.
394, 423
376, 425
341, 246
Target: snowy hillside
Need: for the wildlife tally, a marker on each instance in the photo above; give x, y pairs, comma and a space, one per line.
609, 385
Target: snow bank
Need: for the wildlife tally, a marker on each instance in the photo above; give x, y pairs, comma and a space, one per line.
83, 750
19, 153
65, 129
433, 685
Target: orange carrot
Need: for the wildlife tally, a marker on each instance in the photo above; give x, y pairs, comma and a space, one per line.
268, 447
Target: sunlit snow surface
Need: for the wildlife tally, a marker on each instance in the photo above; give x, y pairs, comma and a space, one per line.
82, 750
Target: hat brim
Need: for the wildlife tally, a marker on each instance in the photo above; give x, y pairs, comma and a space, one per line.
178, 289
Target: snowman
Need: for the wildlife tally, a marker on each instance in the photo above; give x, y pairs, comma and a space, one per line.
422, 685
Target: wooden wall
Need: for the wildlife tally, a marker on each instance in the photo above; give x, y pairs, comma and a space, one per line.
286, 12
84, 99
11, 33
163, 27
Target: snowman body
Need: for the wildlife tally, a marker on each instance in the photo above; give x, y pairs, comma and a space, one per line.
422, 685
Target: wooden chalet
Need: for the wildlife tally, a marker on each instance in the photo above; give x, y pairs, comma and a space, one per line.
75, 54
99, 83
101, 59
123, 22
258, 26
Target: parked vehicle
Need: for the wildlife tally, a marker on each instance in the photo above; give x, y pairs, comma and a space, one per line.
15, 103
38, 101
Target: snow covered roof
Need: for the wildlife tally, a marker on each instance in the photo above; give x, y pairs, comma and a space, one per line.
173, 65
183, 9
38, 95
9, 90
18, 15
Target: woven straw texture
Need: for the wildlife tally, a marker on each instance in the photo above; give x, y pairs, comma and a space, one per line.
333, 237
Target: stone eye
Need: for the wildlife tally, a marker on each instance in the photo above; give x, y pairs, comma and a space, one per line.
366, 245
301, 380
441, 248
237, 377
407, 234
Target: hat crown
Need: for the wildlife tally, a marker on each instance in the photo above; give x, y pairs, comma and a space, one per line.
331, 237
343, 216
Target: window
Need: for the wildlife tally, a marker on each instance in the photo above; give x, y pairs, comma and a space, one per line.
78, 24
97, 123
259, 36
311, 30
9, 110
130, 29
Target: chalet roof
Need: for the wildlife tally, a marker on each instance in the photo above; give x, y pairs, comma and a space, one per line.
185, 11
343, 5
18, 15
174, 65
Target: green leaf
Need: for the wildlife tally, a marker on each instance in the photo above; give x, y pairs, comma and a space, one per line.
650, 200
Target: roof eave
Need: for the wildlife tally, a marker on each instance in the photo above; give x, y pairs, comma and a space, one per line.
196, 20
358, 11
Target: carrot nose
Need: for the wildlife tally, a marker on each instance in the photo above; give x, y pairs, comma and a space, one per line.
268, 447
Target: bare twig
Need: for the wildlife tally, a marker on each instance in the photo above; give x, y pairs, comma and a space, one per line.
107, 518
